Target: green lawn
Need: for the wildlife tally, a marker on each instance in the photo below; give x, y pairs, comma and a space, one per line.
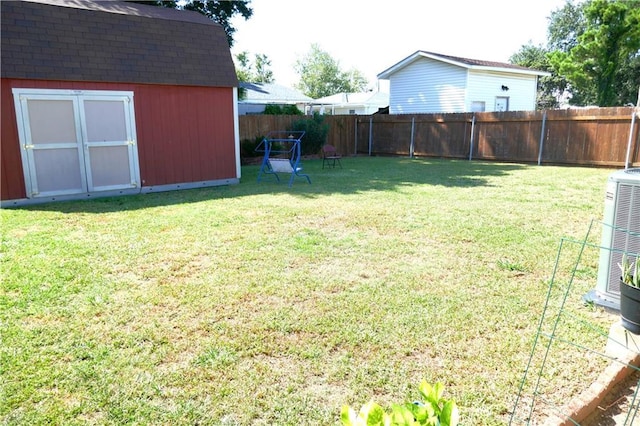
262, 304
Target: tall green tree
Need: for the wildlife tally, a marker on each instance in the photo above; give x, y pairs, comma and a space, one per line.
549, 87
263, 72
566, 24
320, 75
220, 11
257, 71
628, 87
602, 50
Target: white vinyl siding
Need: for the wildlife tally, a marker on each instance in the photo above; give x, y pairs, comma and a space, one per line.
347, 110
426, 86
428, 83
486, 86
352, 110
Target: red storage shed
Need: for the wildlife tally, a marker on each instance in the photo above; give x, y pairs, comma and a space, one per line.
102, 98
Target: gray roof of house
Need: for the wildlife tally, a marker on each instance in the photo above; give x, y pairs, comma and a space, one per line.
478, 62
112, 41
266, 93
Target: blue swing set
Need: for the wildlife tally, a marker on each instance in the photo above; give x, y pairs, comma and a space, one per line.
282, 154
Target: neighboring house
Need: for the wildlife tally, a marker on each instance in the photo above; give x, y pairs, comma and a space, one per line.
259, 95
350, 103
427, 82
101, 98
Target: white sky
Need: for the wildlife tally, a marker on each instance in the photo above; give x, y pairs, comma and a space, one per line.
373, 35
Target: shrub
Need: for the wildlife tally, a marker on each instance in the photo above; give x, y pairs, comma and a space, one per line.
273, 109
316, 131
248, 148
433, 411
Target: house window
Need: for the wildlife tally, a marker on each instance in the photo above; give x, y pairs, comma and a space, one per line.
502, 103
352, 111
477, 106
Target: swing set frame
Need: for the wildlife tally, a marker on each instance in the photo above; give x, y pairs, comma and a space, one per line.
282, 154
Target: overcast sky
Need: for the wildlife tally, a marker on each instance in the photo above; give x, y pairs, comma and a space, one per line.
372, 35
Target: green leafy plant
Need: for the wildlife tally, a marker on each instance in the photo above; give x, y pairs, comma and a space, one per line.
434, 410
248, 148
630, 271
273, 109
316, 131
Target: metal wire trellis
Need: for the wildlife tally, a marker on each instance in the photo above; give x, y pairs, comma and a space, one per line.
568, 330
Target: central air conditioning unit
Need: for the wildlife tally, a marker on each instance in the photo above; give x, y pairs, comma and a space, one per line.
620, 234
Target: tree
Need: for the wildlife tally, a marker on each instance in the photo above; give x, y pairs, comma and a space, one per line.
263, 73
320, 75
220, 11
628, 87
565, 26
274, 109
243, 67
603, 50
256, 72
549, 87
315, 133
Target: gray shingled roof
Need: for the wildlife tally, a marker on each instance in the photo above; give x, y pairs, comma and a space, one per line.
477, 62
112, 41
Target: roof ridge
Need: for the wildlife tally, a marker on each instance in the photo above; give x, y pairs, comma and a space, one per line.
132, 9
478, 62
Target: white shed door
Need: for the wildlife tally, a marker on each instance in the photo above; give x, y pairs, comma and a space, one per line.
76, 142
108, 143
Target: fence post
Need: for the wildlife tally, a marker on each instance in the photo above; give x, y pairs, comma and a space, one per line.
411, 146
473, 125
544, 122
633, 122
355, 148
370, 135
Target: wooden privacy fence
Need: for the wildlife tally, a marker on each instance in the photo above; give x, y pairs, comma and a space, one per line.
594, 136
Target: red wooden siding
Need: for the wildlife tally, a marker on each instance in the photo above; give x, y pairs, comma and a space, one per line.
185, 133
11, 176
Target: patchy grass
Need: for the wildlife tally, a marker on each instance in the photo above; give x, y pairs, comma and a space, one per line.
263, 304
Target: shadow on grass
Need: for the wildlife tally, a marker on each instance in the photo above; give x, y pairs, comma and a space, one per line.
358, 175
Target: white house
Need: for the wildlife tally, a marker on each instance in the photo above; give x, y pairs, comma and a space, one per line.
427, 82
350, 103
259, 95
